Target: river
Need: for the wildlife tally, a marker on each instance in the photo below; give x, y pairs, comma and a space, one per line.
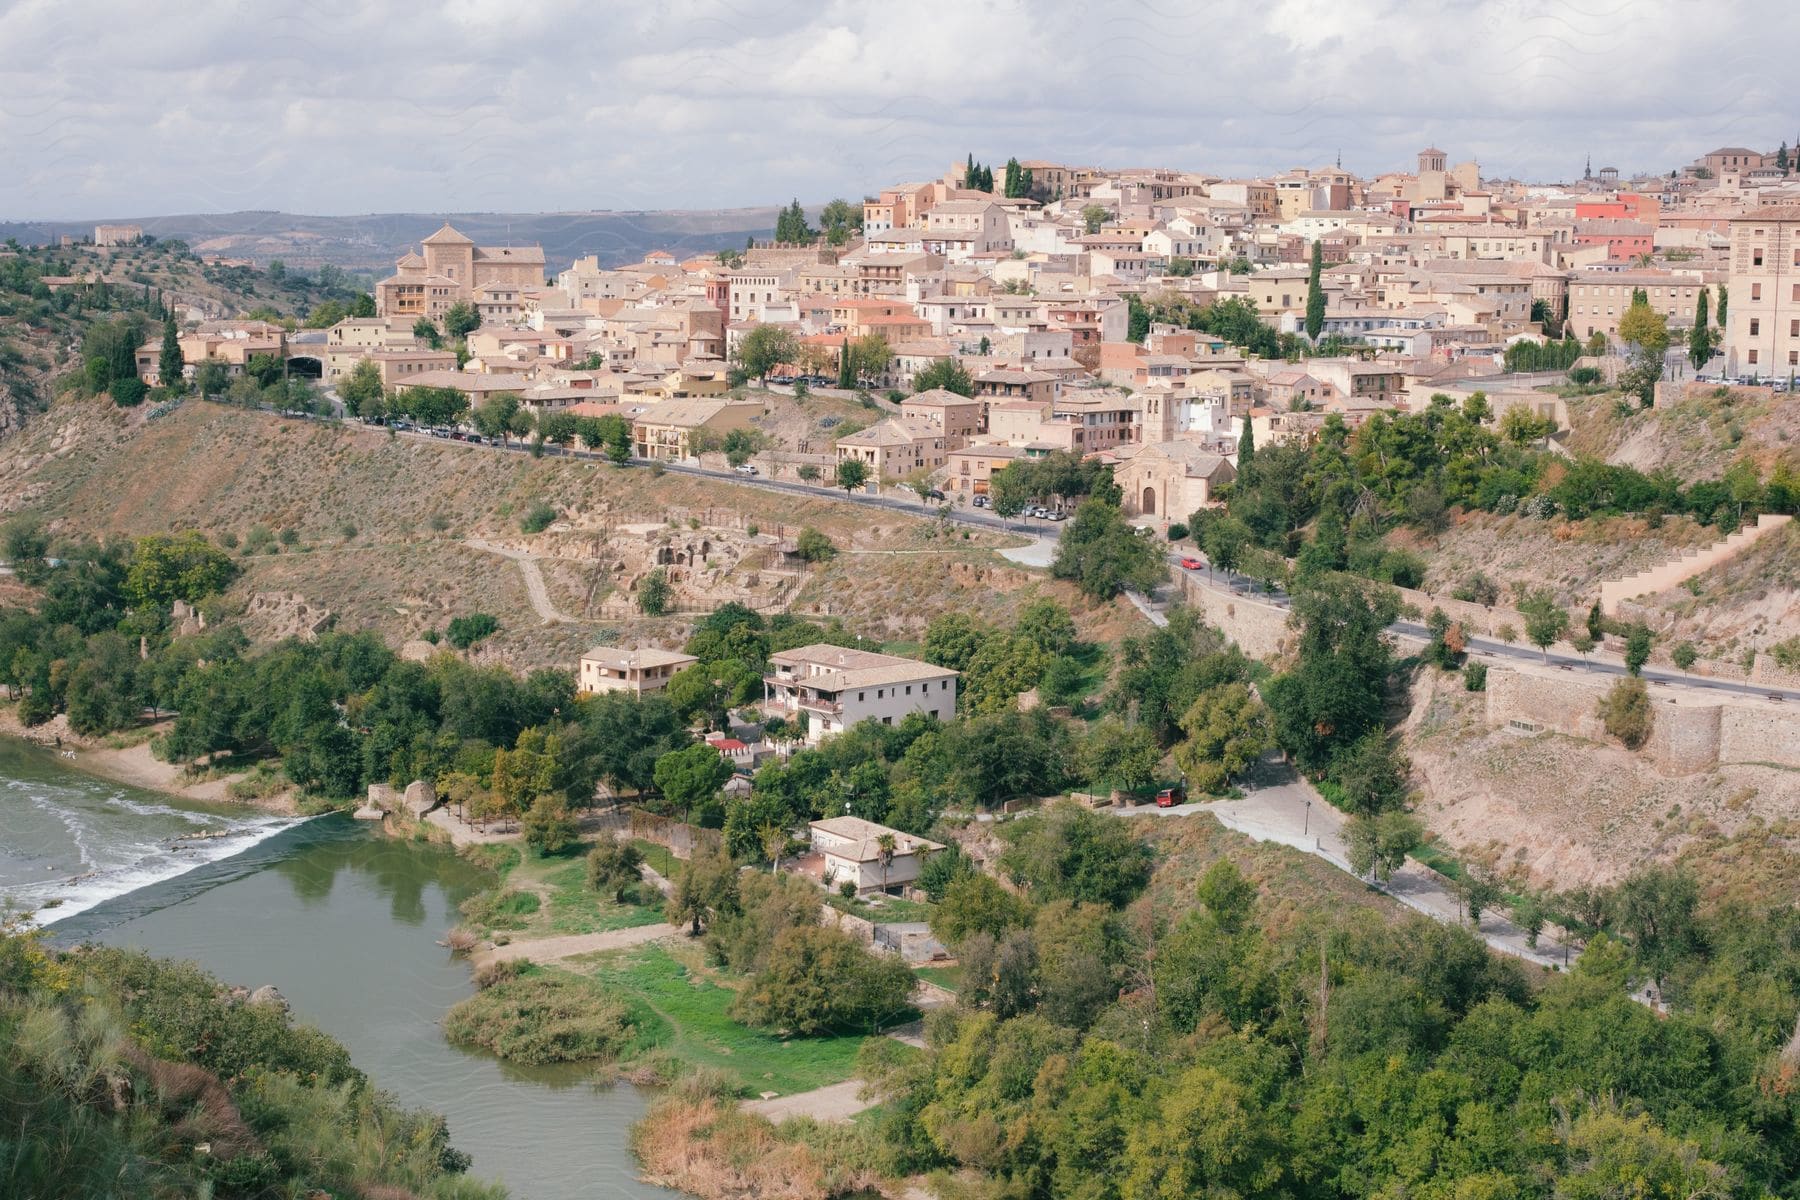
344, 922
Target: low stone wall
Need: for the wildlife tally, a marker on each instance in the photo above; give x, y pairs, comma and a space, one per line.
1478, 620
1260, 629
1685, 738
677, 838
863, 931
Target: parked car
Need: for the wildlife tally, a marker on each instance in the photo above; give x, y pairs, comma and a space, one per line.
744, 469
1059, 515
934, 494
1169, 797
1192, 564
980, 502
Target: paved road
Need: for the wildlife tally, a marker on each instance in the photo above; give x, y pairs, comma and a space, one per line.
1492, 648
1289, 811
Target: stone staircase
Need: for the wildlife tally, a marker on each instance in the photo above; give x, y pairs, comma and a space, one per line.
1673, 572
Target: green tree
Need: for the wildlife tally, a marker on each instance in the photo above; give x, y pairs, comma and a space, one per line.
1645, 333
1104, 555
460, 320
493, 416
211, 377
1315, 293
169, 361
1093, 216
1227, 730
614, 867
705, 889
976, 903
1071, 852
851, 475
819, 980
1119, 755
691, 778
361, 389
766, 347
464, 632
426, 330
1377, 843
1545, 619
945, 373
166, 568
1637, 648
1626, 712
813, 546
654, 593
548, 826
1335, 692
1700, 337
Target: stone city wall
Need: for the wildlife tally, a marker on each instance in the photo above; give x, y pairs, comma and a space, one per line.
1685, 738
1259, 628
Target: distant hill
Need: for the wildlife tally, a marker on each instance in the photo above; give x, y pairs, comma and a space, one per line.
373, 241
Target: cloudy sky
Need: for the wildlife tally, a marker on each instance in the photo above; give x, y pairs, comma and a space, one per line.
145, 107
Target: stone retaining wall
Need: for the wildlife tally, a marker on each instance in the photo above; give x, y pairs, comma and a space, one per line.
1259, 628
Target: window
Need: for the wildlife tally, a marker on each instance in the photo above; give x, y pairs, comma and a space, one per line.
909, 689
1794, 328
1755, 326
1756, 291
1753, 358
1794, 358
1756, 258
862, 696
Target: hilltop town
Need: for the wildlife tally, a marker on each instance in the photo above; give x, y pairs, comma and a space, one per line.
1065, 605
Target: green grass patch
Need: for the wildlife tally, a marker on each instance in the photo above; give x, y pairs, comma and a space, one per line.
498, 857
576, 908
540, 1017
890, 910
948, 978
658, 858
678, 1009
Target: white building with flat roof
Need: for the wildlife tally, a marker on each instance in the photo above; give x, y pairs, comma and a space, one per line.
611, 669
836, 687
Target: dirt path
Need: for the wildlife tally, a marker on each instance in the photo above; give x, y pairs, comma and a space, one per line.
534, 580
833, 1102
550, 949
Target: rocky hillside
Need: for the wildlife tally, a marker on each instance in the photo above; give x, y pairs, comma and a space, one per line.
400, 534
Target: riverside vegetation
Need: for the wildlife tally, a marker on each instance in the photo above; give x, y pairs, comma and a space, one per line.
124, 1075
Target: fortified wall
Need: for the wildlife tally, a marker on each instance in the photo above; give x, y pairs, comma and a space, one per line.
1259, 628
1687, 735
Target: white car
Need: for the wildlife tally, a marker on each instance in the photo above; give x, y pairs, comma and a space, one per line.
745, 469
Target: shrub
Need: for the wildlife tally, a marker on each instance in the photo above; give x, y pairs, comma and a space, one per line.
819, 980
290, 536
538, 519
1476, 589
127, 393
1684, 655
814, 546
464, 632
1177, 531
1627, 713
1584, 376
542, 1018
501, 910
653, 593
1507, 634
490, 974
1475, 677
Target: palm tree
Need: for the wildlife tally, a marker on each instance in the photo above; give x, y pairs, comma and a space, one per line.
774, 841
885, 847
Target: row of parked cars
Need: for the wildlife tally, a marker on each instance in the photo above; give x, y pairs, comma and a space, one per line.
1035, 510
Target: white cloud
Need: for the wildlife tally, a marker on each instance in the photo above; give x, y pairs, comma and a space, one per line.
142, 108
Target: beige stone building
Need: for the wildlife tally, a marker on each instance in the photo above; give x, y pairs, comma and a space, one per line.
671, 428
611, 669
1762, 332
959, 418
895, 448
118, 235
1597, 300
1170, 479
451, 269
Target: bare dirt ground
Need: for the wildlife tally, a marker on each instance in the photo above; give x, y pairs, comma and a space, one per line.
1564, 811
373, 528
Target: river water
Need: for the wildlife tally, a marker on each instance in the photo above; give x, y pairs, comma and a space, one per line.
343, 922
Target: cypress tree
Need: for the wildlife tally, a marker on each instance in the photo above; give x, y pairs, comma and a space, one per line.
1246, 453
846, 379
1700, 338
168, 363
1781, 159
1315, 293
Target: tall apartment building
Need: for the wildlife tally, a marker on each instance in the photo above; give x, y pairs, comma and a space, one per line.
1762, 320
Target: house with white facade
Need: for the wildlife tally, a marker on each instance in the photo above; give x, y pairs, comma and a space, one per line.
835, 687
854, 849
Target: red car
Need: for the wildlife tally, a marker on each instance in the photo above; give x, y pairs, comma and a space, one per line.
1192, 564
1169, 797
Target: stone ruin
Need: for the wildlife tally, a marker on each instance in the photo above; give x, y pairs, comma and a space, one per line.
279, 615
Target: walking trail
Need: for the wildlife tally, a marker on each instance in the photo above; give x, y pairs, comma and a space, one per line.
534, 580
551, 949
